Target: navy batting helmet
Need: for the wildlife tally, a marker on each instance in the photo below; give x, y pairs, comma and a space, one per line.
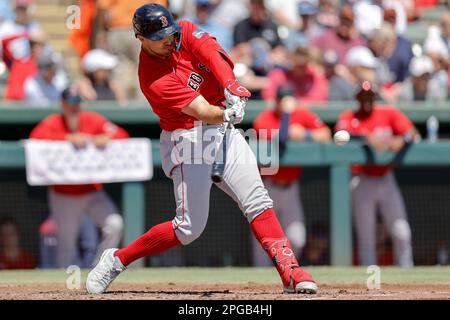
154, 22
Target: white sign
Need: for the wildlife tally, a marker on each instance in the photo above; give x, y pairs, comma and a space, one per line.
60, 162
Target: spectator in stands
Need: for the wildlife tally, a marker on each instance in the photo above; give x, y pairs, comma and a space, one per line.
296, 124
374, 187
44, 89
328, 16
420, 86
68, 203
82, 39
445, 28
343, 37
435, 48
253, 62
204, 20
286, 14
258, 25
97, 83
339, 88
309, 29
362, 66
399, 54
382, 43
308, 82
23, 10
87, 242
114, 19
12, 256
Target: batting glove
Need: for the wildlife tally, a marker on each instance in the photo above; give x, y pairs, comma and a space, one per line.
235, 114
236, 93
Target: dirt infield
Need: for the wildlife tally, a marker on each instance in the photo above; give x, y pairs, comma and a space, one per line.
249, 291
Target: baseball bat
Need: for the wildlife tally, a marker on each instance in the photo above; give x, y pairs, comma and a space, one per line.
218, 168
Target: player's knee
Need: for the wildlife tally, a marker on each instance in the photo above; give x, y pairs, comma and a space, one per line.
113, 224
401, 230
188, 233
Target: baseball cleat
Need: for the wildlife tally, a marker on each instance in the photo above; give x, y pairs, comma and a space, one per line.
106, 270
306, 287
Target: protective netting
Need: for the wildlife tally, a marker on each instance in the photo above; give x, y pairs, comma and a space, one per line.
226, 239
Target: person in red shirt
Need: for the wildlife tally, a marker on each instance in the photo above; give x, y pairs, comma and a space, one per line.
68, 203
186, 77
308, 82
298, 124
12, 256
374, 187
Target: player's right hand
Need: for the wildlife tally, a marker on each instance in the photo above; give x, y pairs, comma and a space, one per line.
235, 114
79, 140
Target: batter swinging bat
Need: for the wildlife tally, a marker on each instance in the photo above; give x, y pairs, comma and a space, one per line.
218, 168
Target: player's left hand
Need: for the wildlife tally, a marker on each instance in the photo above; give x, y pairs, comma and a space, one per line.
235, 114
236, 93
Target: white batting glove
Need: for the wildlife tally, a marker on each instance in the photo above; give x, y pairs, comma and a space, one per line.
234, 115
233, 99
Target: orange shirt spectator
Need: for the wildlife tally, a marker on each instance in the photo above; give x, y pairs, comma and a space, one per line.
121, 11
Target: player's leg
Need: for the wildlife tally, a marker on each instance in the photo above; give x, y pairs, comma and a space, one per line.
192, 185
394, 214
243, 181
105, 215
260, 258
364, 193
66, 211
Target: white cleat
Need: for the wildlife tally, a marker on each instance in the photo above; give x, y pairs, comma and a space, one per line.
106, 270
306, 287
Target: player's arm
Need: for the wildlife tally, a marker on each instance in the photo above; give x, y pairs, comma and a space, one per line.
213, 56
202, 110
404, 131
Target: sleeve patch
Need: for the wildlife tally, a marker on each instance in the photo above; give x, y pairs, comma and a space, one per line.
199, 33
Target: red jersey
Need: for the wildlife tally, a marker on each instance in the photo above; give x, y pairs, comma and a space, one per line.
91, 123
313, 86
270, 119
173, 83
385, 122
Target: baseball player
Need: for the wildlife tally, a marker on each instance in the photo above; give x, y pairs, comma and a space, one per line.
373, 186
67, 203
186, 76
294, 123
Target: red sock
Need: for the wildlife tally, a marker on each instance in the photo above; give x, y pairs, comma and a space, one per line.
269, 233
158, 239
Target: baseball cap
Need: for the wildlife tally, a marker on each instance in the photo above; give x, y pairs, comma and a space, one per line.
420, 66
306, 8
72, 95
203, 3
98, 59
362, 57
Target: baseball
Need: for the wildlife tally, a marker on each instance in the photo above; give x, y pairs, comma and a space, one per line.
341, 137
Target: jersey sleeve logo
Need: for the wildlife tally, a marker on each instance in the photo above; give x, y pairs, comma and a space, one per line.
199, 33
194, 81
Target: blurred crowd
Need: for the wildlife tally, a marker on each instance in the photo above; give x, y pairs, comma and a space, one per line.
323, 47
